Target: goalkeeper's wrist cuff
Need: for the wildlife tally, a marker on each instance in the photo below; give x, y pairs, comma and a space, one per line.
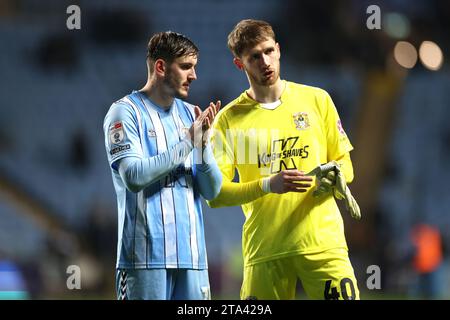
265, 184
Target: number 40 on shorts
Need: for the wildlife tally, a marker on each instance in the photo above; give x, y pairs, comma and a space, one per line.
347, 290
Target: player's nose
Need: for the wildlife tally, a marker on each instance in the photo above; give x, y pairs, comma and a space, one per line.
265, 60
192, 75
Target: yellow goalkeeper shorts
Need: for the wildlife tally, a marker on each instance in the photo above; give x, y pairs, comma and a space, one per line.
326, 275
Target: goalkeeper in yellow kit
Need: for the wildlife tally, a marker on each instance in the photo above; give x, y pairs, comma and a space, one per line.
277, 134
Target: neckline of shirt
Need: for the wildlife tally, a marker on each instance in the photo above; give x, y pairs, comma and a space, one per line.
154, 105
270, 105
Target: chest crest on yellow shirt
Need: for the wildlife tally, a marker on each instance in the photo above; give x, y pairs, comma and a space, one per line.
301, 120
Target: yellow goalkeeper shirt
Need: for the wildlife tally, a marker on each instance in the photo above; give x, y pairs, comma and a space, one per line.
303, 131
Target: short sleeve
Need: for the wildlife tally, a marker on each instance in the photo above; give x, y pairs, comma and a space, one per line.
121, 128
338, 143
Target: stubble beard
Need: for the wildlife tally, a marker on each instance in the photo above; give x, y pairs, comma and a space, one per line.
269, 82
174, 87
262, 81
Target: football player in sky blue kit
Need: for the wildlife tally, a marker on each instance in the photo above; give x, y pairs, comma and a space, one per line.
161, 163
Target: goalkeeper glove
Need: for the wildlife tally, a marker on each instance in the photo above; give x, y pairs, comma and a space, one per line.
332, 179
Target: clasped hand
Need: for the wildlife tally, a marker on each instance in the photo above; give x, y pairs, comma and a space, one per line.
200, 128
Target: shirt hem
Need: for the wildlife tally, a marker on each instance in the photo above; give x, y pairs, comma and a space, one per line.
291, 253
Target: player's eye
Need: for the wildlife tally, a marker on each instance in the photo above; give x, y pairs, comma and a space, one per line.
186, 66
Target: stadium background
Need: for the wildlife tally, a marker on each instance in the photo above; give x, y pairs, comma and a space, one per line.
57, 202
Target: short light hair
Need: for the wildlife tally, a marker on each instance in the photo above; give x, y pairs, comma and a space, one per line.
247, 34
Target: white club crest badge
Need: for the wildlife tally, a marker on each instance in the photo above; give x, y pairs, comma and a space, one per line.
301, 120
116, 133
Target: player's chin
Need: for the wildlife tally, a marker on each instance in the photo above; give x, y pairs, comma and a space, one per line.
183, 93
269, 81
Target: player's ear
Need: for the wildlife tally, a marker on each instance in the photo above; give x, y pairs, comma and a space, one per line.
160, 67
238, 63
278, 48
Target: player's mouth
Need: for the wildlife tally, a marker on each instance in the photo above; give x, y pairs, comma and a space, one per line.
268, 73
186, 86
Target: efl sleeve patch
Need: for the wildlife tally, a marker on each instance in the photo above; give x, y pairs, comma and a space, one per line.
340, 127
121, 133
116, 133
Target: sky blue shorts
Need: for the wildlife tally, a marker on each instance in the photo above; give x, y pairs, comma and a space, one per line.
162, 284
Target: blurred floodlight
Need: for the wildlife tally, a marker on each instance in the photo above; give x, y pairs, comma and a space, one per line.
396, 25
405, 54
431, 55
